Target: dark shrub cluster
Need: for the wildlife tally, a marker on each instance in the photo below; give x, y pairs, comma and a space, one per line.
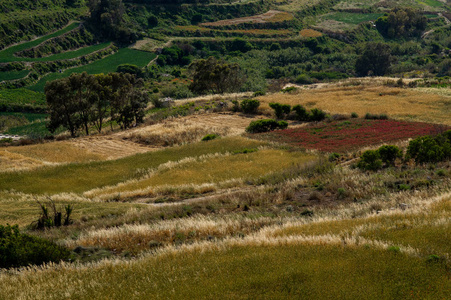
369, 116
281, 110
266, 125
373, 160
250, 106
18, 249
430, 148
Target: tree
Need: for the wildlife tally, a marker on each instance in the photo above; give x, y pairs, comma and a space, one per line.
63, 107
82, 101
401, 22
215, 76
101, 100
375, 60
109, 17
128, 101
81, 87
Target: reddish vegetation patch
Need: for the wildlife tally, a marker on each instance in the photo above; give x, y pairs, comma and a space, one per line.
342, 136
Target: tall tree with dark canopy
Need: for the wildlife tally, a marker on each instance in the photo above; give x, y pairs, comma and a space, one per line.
215, 76
63, 107
375, 60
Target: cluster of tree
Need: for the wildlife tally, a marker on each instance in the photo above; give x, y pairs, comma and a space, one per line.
81, 101
109, 16
375, 60
401, 22
174, 55
215, 76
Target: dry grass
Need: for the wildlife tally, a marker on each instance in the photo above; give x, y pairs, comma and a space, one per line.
14, 162
310, 33
56, 152
281, 260
112, 146
403, 104
176, 132
209, 169
188, 129
271, 16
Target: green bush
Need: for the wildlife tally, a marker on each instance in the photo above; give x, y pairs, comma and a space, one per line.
317, 115
370, 160
369, 116
389, 154
250, 106
259, 93
281, 110
210, 137
303, 79
430, 149
301, 113
289, 89
354, 115
18, 249
265, 125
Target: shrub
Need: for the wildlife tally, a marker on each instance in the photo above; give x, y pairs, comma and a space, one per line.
301, 113
281, 110
334, 157
317, 115
303, 79
250, 106
259, 93
18, 249
389, 154
354, 115
236, 106
370, 160
289, 89
210, 137
265, 125
430, 149
369, 116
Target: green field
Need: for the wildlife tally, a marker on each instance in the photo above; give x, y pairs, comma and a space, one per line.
351, 18
29, 117
7, 55
105, 65
431, 3
13, 75
21, 96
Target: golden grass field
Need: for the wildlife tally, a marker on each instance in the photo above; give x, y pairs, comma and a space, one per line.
398, 103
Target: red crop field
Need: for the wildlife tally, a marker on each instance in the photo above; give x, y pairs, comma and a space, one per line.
342, 136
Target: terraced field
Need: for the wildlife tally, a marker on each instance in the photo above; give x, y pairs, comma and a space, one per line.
105, 65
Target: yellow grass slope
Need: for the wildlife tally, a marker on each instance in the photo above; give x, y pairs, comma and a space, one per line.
397, 103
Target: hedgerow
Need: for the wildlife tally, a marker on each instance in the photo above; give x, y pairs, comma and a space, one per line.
265, 125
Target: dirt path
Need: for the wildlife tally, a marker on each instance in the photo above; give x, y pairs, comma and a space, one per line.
447, 21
